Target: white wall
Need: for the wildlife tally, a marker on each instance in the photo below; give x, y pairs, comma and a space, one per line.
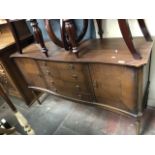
111, 29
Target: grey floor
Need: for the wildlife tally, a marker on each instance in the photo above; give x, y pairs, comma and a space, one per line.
61, 117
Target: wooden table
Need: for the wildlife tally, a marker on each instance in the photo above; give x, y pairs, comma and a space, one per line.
9, 73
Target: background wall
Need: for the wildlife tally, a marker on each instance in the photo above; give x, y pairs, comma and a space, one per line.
111, 29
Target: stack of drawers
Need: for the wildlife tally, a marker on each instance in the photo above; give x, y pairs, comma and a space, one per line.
67, 79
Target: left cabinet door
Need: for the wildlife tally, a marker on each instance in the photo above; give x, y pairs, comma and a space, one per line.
31, 72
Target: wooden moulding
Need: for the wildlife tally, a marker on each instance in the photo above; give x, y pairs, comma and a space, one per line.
107, 107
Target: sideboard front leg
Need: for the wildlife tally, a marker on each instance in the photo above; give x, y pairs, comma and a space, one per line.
144, 29
138, 125
125, 30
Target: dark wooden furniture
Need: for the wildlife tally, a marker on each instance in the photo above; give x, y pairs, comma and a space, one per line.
105, 75
10, 76
69, 39
111, 73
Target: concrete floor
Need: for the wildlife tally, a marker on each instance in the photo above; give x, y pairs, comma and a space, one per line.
61, 117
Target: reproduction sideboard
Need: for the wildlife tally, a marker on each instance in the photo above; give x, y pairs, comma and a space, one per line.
104, 74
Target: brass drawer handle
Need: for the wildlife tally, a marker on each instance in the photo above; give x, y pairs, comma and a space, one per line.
48, 72
40, 75
79, 96
44, 64
95, 85
71, 66
74, 76
52, 82
55, 90
78, 87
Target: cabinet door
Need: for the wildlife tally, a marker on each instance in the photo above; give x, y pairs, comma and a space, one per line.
115, 86
30, 70
68, 79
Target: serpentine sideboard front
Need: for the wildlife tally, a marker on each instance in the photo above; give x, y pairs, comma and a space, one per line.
105, 74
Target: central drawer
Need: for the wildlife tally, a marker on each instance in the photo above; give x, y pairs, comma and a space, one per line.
67, 79
71, 72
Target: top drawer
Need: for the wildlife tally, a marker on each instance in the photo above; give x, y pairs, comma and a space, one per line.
71, 72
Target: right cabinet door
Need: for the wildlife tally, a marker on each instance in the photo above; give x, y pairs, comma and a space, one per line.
115, 86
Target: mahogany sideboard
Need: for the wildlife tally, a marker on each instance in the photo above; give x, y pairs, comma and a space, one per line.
10, 76
104, 74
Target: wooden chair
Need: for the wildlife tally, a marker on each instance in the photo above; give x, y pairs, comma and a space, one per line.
126, 33
70, 41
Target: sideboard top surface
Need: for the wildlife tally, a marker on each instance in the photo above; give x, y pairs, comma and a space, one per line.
109, 51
